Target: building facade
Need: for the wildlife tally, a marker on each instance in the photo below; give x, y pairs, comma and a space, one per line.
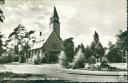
48, 44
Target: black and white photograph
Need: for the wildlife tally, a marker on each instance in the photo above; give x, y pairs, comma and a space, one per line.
61, 41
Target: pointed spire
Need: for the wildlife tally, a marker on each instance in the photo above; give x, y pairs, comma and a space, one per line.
55, 14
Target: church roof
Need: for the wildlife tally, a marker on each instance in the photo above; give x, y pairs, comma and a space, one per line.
41, 40
55, 14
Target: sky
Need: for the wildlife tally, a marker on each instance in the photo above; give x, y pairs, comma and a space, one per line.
79, 18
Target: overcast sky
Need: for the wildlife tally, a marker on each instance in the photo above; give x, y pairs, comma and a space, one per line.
78, 18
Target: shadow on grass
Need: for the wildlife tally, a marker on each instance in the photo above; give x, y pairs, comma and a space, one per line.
10, 77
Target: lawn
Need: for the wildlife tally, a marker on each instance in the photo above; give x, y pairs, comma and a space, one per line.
119, 65
55, 72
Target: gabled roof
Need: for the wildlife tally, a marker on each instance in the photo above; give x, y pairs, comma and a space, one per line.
41, 40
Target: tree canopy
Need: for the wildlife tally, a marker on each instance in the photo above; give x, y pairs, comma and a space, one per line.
21, 40
69, 48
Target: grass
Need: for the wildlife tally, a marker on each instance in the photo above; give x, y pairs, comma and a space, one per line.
10, 75
48, 71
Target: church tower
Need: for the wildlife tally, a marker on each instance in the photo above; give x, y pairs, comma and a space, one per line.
54, 22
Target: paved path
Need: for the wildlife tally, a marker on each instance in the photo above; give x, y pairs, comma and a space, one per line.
55, 71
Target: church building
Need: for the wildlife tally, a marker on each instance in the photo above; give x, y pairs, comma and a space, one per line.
50, 43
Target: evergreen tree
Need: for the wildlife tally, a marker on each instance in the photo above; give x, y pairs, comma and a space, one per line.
79, 59
63, 59
88, 52
96, 47
77, 48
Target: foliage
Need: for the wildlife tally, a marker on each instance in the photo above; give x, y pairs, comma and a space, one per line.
97, 49
124, 41
69, 49
79, 59
104, 65
117, 52
1, 12
2, 50
63, 59
88, 52
92, 60
114, 54
5, 58
77, 48
20, 41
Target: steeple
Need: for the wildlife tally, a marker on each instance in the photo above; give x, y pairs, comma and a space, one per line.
54, 18
54, 24
55, 14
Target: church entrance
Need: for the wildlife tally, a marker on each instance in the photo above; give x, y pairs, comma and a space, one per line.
54, 56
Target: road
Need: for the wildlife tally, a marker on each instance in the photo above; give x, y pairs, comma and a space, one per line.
55, 71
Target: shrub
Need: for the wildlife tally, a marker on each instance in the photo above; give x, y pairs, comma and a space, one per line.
92, 60
79, 59
5, 58
63, 59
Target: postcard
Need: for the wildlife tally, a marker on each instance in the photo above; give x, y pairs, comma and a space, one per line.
63, 41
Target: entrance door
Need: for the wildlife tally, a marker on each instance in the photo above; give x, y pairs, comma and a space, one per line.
53, 57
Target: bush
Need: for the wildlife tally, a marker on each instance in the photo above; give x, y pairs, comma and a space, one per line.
79, 60
92, 60
5, 58
63, 59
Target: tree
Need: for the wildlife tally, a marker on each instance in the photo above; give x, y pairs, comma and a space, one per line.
96, 47
1, 36
1, 45
88, 52
20, 40
92, 60
77, 48
1, 12
63, 59
79, 59
81, 46
69, 49
114, 54
123, 43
